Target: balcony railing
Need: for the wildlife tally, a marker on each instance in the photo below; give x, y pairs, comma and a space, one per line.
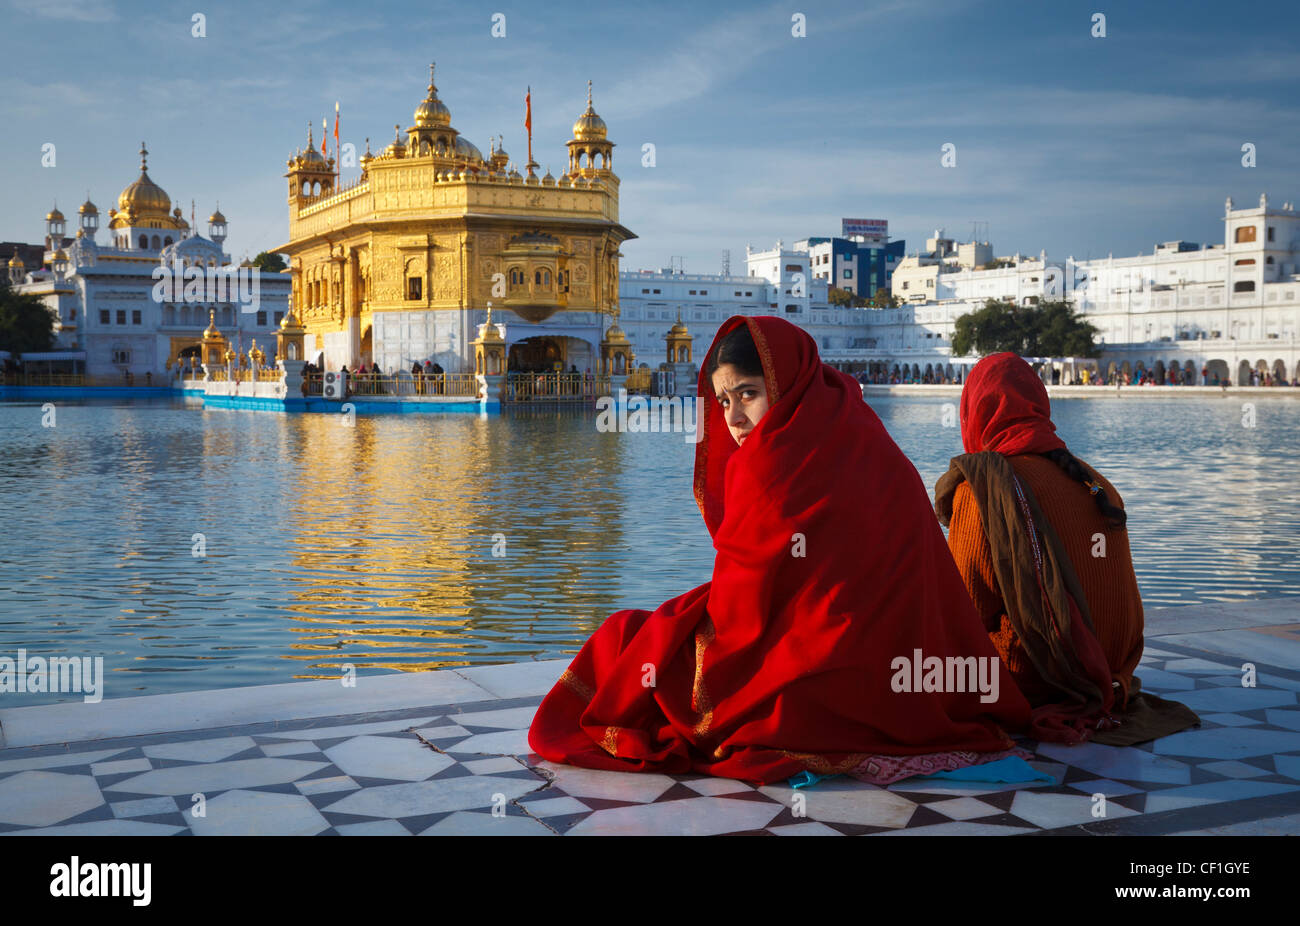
555, 387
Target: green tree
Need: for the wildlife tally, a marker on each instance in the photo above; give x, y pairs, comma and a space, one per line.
26, 324
270, 262
837, 296
1048, 329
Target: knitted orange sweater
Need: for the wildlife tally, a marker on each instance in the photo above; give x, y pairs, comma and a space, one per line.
1108, 581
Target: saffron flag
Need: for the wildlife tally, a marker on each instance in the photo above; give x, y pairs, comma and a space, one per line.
528, 112
336, 126
324, 138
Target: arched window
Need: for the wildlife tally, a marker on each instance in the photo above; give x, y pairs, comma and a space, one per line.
516, 276
1245, 233
157, 242
167, 240
144, 242
542, 278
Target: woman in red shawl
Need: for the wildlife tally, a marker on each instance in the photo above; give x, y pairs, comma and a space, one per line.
1039, 537
805, 651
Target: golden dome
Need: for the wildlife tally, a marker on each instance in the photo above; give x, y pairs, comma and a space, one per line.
290, 322
54, 215
16, 261
466, 149
678, 327
59, 255
589, 127
432, 112
144, 197
211, 333
88, 208
615, 335
217, 217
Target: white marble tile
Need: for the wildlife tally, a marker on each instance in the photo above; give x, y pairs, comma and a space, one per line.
611, 786
958, 828
352, 729
1229, 720
1212, 793
484, 824
963, 808
697, 816
258, 813
198, 710
326, 785
510, 718
445, 732
846, 800
1050, 811
1197, 666
714, 786
517, 680
421, 797
275, 750
58, 760
1236, 699
1288, 766
119, 767
493, 765
1104, 786
1156, 680
373, 828
1227, 743
555, 807
103, 828
804, 829
145, 807
1245, 646
37, 798
1122, 763
503, 742
1233, 769
388, 757
218, 776
1283, 718
201, 750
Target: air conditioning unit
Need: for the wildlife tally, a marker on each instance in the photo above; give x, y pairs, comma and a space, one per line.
336, 382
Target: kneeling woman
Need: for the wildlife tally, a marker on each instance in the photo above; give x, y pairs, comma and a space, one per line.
1039, 537
831, 580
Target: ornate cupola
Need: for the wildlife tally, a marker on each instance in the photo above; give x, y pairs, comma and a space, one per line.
55, 228
17, 270
217, 226
431, 133
310, 175
89, 218
591, 153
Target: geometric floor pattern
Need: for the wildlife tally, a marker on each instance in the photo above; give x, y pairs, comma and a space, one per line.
460, 769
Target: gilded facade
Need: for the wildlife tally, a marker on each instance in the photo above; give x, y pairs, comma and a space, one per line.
400, 265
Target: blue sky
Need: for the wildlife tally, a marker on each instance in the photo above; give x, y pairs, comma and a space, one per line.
1075, 144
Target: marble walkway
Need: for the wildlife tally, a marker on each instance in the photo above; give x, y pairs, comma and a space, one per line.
445, 753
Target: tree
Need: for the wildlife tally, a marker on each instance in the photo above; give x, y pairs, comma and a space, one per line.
26, 323
837, 296
1049, 329
270, 262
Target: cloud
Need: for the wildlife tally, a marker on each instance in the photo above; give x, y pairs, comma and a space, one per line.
89, 11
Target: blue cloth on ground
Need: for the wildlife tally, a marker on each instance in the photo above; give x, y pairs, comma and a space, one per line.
1012, 770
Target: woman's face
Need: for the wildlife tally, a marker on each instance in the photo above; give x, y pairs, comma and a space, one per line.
743, 399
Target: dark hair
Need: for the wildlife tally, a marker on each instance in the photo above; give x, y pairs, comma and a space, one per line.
737, 349
1074, 469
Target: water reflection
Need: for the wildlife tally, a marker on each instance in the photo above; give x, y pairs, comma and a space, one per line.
373, 545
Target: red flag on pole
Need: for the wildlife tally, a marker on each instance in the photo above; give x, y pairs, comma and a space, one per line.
528, 121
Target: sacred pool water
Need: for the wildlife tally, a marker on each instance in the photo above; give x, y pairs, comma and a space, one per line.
201, 549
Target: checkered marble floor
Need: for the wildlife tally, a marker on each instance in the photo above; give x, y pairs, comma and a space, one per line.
463, 767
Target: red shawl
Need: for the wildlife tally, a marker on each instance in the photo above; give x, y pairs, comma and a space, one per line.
830, 567
1005, 409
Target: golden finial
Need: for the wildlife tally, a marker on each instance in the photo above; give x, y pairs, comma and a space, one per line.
144, 154
489, 310
432, 89
311, 140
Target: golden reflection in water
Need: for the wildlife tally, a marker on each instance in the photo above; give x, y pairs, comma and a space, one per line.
395, 524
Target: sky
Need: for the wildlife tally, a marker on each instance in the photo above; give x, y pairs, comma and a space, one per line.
1064, 141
